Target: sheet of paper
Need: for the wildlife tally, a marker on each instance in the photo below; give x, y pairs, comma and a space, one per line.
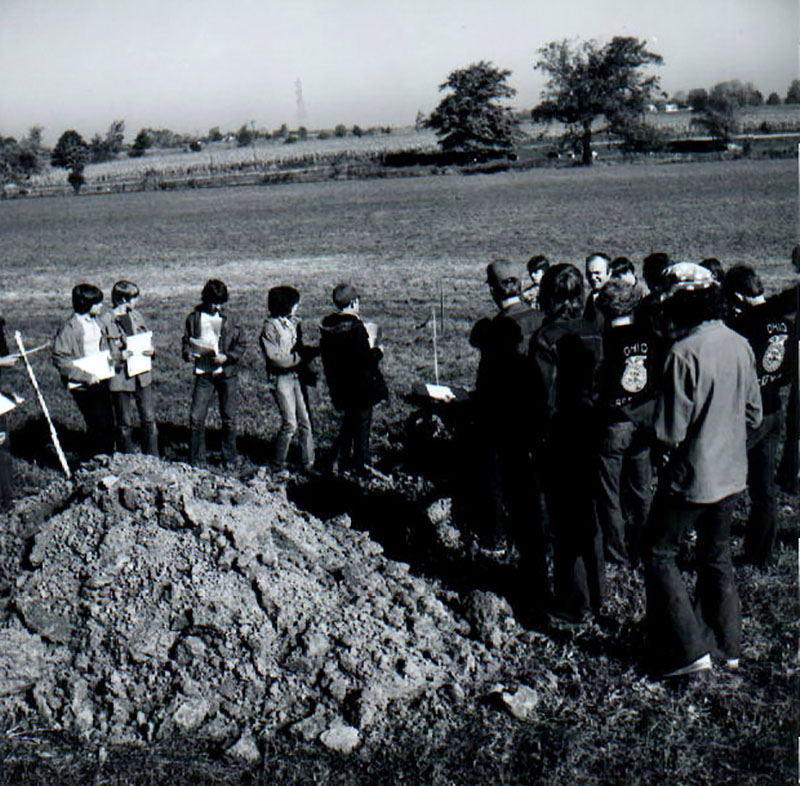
440, 392
139, 343
97, 367
139, 364
6, 404
201, 348
373, 332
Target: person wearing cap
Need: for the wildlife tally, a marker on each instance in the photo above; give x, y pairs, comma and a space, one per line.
774, 341
627, 390
504, 419
708, 400
565, 354
350, 359
536, 266
129, 392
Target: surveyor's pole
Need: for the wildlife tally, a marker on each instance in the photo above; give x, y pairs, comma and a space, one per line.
53, 435
435, 348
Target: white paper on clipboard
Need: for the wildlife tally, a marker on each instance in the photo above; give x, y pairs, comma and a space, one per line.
139, 363
6, 404
97, 366
440, 392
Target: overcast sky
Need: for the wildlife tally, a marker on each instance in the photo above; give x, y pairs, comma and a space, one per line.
192, 64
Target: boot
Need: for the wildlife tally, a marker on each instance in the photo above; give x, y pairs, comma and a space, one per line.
124, 439
197, 447
150, 439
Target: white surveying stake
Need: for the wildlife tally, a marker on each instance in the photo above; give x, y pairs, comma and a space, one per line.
54, 436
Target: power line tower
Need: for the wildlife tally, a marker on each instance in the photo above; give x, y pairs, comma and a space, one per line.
302, 116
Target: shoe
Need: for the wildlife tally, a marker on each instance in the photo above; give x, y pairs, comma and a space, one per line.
732, 664
703, 663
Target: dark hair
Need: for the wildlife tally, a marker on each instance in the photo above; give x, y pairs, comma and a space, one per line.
214, 292
84, 296
742, 280
561, 291
652, 268
598, 255
620, 266
537, 262
618, 298
123, 291
715, 266
344, 295
281, 300
687, 308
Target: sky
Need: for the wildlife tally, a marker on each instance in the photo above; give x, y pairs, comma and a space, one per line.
189, 65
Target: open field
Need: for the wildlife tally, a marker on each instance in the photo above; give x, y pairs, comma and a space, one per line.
397, 240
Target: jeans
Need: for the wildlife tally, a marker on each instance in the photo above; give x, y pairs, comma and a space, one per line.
204, 387
352, 444
125, 405
762, 455
578, 565
678, 631
94, 403
624, 480
294, 419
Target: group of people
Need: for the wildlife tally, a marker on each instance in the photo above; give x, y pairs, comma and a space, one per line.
611, 422
608, 422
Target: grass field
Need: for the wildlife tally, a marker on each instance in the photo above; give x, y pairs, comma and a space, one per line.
396, 240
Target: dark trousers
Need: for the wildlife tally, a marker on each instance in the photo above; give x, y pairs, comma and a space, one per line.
790, 458
578, 565
624, 488
204, 387
94, 403
352, 444
679, 631
6, 490
126, 403
762, 455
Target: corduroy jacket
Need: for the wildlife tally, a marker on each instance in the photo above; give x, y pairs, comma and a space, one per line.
232, 341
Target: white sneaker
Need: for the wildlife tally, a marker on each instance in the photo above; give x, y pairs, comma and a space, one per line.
732, 664
703, 663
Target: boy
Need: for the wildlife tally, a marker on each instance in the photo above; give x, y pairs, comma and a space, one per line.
82, 336
128, 392
285, 355
536, 266
215, 343
708, 400
350, 359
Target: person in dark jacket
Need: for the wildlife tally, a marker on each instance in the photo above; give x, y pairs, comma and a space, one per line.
504, 418
214, 343
7, 360
774, 342
598, 270
566, 353
350, 358
129, 392
81, 337
707, 402
625, 404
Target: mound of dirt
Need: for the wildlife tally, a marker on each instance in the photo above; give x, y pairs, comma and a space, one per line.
158, 599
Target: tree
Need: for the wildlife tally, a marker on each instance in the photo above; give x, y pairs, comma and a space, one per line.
793, 94
470, 117
215, 135
142, 142
719, 115
698, 98
773, 99
115, 136
244, 136
71, 152
593, 81
17, 162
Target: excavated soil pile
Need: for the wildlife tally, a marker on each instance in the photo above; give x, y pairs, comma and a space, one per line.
166, 600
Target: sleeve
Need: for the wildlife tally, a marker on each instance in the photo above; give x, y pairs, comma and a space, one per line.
113, 335
237, 345
543, 359
274, 353
675, 405
480, 333
753, 408
187, 334
63, 351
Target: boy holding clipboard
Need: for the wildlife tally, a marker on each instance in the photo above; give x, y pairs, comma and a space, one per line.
82, 356
131, 346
